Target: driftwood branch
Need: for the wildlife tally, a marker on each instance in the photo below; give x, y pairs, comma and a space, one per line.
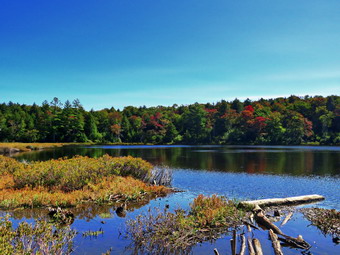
295, 242
248, 224
257, 245
288, 217
283, 201
263, 221
233, 243
216, 252
243, 245
275, 242
250, 247
233, 252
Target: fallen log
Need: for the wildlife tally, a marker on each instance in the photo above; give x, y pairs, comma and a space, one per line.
216, 252
248, 228
233, 243
248, 224
243, 245
263, 221
288, 217
250, 247
257, 245
282, 201
295, 242
233, 251
275, 242
251, 218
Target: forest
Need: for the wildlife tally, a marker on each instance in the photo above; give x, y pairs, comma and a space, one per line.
281, 121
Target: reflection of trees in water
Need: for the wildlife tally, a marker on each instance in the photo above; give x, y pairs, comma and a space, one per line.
82, 212
37, 213
230, 159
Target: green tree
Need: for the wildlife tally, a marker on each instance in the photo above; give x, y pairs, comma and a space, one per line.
194, 125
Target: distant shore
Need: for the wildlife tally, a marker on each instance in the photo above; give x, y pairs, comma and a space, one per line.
17, 147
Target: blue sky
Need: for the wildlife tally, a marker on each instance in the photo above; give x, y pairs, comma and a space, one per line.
161, 52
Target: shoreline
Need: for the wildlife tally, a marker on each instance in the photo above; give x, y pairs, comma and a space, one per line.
18, 147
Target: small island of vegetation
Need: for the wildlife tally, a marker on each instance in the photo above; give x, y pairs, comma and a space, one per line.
69, 182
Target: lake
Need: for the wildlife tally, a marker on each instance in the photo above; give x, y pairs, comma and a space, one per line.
238, 172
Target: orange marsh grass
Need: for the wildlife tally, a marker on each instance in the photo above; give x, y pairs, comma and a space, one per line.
68, 182
30, 146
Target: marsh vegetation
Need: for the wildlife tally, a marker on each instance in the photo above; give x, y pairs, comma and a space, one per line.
177, 232
102, 195
69, 182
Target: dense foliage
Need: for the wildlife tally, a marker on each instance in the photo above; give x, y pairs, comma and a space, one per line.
292, 120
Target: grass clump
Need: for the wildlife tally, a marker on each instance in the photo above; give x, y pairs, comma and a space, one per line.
165, 232
68, 182
24, 147
8, 165
91, 233
77, 172
327, 220
38, 238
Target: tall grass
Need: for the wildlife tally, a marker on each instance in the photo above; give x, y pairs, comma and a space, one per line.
77, 172
165, 232
6, 147
68, 182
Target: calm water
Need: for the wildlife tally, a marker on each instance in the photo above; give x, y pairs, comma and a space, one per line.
240, 172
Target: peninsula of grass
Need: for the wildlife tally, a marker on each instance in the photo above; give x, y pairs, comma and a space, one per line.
16, 147
9, 148
70, 182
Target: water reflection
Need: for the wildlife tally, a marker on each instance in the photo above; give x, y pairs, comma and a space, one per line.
241, 172
85, 212
299, 160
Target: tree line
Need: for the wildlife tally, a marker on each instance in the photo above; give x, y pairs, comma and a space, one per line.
292, 120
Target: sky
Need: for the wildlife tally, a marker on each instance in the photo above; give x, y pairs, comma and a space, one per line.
163, 52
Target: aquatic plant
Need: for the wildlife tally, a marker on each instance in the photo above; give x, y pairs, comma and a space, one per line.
214, 211
165, 232
91, 233
39, 238
327, 220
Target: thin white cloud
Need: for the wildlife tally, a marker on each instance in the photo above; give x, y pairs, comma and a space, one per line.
304, 75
